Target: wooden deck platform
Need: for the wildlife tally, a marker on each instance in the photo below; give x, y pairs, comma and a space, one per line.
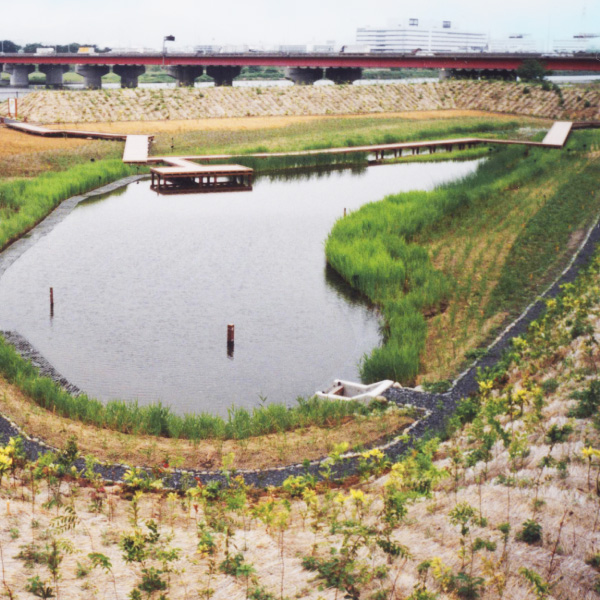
75, 133
183, 176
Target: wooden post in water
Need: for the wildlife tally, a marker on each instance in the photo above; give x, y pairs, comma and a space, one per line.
51, 302
230, 339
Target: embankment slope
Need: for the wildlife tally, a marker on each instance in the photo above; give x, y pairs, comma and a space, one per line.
576, 102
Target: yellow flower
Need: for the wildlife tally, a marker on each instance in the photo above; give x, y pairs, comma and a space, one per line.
485, 386
374, 453
590, 452
340, 498
358, 496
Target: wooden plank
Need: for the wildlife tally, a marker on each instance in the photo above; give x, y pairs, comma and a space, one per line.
558, 134
136, 149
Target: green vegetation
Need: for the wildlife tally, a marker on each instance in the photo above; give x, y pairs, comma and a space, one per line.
381, 250
532, 70
24, 203
158, 420
506, 456
559, 217
279, 163
334, 133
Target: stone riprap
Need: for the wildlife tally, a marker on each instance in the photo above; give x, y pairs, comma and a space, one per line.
574, 103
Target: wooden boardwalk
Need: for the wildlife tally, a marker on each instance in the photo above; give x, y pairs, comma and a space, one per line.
75, 133
555, 138
136, 149
558, 134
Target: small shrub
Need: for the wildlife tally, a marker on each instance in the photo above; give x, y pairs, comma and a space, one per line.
437, 387
531, 532
549, 386
593, 561
588, 401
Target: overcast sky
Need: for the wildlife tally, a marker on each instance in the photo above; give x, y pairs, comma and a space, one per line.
119, 23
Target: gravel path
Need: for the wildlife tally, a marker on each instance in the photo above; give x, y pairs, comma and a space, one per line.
435, 408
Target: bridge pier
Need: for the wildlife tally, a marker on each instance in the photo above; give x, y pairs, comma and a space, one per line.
92, 75
19, 74
185, 75
129, 74
303, 75
54, 74
502, 74
341, 75
223, 76
464, 73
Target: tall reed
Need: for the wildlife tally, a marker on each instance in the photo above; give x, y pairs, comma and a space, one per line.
158, 419
25, 202
374, 250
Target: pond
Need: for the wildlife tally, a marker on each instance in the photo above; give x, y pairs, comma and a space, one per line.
145, 286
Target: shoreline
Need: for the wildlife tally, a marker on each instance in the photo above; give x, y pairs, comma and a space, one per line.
436, 407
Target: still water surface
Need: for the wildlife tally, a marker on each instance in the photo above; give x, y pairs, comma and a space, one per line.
145, 286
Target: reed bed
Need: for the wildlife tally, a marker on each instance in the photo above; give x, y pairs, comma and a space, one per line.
158, 420
330, 132
378, 250
282, 163
24, 203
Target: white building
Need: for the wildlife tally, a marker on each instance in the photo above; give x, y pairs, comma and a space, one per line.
292, 48
408, 35
583, 42
516, 42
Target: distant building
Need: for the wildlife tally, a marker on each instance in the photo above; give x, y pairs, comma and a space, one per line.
326, 48
292, 48
516, 42
409, 35
583, 42
207, 49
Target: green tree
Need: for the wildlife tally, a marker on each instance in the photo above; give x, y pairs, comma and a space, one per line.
9, 47
532, 70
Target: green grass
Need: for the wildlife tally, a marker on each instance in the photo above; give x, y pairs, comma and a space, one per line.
25, 202
547, 234
281, 163
159, 420
335, 132
379, 249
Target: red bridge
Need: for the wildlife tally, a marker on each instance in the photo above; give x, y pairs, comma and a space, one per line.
300, 68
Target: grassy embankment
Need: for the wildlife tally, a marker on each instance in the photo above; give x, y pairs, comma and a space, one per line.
448, 266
